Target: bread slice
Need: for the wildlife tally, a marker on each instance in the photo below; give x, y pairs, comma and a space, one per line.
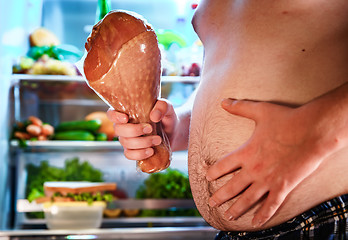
77, 187
43, 37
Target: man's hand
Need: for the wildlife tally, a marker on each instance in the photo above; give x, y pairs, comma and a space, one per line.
282, 151
136, 146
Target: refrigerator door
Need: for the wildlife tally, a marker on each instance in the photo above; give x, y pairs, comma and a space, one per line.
20, 17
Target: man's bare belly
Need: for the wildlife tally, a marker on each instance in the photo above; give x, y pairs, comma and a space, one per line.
285, 73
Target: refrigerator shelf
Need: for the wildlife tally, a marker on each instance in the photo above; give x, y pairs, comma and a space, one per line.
23, 205
62, 78
130, 222
55, 145
153, 233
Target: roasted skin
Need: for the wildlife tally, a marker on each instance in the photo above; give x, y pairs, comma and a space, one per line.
123, 66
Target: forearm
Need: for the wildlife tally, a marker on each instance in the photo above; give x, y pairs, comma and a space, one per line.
331, 125
182, 128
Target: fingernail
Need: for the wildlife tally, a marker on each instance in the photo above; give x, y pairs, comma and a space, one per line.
157, 114
256, 223
156, 141
121, 119
147, 129
228, 216
212, 203
148, 152
228, 101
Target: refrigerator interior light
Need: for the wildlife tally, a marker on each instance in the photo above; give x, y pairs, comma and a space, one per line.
81, 237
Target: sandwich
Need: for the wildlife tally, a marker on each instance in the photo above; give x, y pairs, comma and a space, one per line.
75, 205
87, 192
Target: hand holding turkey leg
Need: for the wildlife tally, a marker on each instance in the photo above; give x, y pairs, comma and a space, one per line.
132, 136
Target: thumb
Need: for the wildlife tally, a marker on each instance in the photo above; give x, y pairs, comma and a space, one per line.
244, 108
163, 111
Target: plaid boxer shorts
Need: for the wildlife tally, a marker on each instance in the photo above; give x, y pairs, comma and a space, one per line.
325, 221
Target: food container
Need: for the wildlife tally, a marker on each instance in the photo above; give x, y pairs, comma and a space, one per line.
73, 215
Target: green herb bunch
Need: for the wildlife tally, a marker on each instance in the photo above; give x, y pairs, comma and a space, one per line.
169, 184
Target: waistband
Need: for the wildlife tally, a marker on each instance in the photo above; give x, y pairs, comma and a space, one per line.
335, 209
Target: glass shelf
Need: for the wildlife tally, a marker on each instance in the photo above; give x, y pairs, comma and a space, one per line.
62, 78
55, 145
23, 205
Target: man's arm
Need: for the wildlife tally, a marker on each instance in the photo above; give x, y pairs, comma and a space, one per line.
288, 144
182, 128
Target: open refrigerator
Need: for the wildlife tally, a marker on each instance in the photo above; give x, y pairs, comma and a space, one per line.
58, 98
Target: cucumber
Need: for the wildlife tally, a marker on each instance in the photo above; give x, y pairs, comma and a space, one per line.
101, 137
91, 125
74, 135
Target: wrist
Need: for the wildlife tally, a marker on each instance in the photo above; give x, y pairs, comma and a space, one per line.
180, 134
328, 116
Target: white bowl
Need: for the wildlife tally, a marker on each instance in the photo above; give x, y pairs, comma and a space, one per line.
73, 215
